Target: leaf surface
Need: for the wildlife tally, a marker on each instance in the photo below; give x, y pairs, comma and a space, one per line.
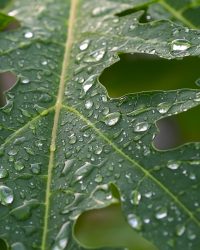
64, 140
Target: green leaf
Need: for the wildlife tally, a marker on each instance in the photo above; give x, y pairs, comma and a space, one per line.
65, 142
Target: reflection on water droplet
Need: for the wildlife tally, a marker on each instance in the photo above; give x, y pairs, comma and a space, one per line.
180, 45
6, 195
134, 221
161, 213
141, 127
112, 118
68, 165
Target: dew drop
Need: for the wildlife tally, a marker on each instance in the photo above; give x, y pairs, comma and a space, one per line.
134, 221
180, 45
18, 165
84, 45
98, 178
35, 168
161, 213
18, 246
28, 35
67, 166
61, 239
173, 165
3, 173
88, 104
72, 139
6, 195
135, 197
163, 107
25, 81
141, 127
112, 118
180, 229
84, 170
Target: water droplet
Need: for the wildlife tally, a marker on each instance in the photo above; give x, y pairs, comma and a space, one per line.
36, 168
3, 173
84, 170
72, 139
6, 195
180, 45
191, 235
112, 118
28, 35
18, 165
197, 97
135, 197
25, 81
88, 104
23, 212
173, 165
68, 165
163, 107
141, 127
19, 141
134, 221
180, 229
98, 178
161, 213
84, 45
61, 240
96, 56
18, 246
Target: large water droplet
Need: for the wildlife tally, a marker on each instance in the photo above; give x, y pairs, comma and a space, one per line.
6, 195
180, 45
134, 221
112, 118
141, 127
88, 104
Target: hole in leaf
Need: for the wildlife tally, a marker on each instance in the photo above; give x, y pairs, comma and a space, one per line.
144, 18
3, 245
107, 227
177, 130
142, 72
8, 23
7, 81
